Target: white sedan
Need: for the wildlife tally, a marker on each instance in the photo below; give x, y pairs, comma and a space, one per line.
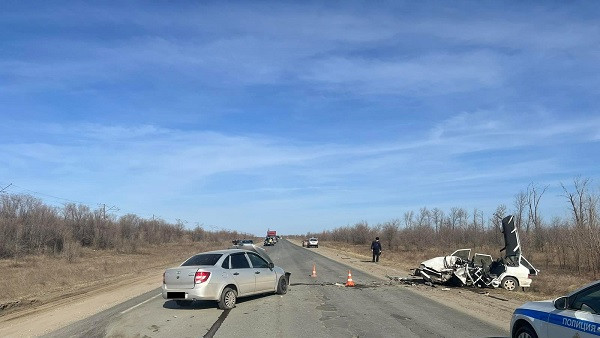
312, 242
574, 315
224, 275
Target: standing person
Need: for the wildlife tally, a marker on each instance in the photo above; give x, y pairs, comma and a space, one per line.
376, 248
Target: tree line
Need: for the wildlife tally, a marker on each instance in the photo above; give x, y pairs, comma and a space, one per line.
571, 243
28, 226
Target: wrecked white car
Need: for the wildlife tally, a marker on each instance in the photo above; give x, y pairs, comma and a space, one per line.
509, 272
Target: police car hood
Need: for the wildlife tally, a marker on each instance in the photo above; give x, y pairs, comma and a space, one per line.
542, 305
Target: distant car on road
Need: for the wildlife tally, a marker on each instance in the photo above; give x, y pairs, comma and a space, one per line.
574, 315
223, 276
242, 241
312, 243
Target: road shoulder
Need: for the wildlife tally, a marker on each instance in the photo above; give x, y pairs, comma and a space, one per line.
70, 309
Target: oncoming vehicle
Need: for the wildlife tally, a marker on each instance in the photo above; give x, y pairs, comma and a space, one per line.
574, 315
312, 243
223, 276
269, 241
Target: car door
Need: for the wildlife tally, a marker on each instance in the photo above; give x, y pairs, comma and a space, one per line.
464, 254
242, 272
265, 277
581, 319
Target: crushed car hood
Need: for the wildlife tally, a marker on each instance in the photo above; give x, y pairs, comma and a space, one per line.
440, 263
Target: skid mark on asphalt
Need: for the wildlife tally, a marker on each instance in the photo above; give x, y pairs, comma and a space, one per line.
326, 307
357, 286
215, 327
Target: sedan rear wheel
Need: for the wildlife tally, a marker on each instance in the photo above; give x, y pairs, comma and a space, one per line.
228, 299
509, 283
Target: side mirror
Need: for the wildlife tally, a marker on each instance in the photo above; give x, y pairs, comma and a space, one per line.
271, 266
561, 303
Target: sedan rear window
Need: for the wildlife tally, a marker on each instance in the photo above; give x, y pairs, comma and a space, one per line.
202, 259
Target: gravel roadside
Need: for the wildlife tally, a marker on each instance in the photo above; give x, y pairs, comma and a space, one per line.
46, 318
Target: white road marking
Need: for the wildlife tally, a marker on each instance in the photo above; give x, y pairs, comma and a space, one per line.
146, 301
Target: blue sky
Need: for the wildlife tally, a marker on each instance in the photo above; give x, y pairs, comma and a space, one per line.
298, 116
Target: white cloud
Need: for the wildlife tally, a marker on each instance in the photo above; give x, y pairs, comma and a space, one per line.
488, 130
147, 169
425, 75
533, 32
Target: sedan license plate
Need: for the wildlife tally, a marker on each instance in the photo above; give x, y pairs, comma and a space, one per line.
176, 295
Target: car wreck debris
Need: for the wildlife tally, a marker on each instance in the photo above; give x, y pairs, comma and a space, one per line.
509, 272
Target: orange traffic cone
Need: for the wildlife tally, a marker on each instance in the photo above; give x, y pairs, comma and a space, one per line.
350, 282
314, 272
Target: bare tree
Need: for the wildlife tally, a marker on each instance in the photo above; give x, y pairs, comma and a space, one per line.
534, 195
577, 199
499, 214
409, 219
390, 232
424, 218
454, 218
437, 216
361, 233
520, 206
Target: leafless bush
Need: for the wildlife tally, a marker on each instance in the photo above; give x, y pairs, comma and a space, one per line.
30, 227
71, 251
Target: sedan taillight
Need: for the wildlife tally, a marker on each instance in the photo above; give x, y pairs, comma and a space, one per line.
201, 277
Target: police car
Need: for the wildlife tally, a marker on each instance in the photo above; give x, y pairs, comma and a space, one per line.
575, 315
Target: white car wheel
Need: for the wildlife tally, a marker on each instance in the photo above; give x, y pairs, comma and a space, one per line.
509, 283
228, 299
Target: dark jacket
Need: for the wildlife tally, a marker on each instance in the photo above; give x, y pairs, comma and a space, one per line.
376, 247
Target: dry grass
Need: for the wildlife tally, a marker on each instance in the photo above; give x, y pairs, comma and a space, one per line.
35, 279
551, 282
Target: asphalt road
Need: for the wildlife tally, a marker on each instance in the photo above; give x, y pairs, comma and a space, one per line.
313, 307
